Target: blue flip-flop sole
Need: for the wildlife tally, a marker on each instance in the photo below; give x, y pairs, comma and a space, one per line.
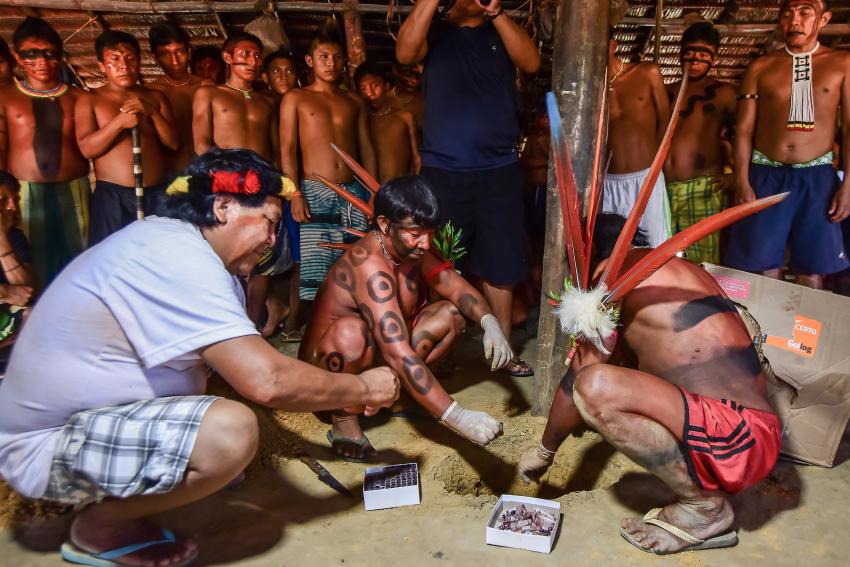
72, 554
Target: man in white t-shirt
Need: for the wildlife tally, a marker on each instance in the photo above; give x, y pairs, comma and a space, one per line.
103, 402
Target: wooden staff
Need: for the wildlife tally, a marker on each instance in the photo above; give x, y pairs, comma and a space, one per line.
137, 172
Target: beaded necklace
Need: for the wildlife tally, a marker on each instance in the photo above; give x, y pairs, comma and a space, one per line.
52, 94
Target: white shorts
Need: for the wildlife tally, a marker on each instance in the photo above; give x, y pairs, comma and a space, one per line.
619, 194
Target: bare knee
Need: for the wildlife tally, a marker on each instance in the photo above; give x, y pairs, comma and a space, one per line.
349, 338
594, 392
228, 436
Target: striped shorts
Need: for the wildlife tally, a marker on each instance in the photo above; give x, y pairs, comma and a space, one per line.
328, 214
122, 451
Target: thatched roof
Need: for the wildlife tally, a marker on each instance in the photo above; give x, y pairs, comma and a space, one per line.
747, 26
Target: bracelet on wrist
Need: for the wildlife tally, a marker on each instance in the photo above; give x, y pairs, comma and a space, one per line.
496, 15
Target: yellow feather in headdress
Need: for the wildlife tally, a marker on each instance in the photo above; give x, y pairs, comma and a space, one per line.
179, 185
287, 188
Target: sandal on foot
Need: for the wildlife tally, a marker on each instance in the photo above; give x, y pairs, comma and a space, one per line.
72, 554
727, 539
518, 368
369, 452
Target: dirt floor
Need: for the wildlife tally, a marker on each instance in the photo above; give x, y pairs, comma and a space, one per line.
283, 516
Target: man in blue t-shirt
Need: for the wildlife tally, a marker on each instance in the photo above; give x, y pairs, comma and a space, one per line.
470, 132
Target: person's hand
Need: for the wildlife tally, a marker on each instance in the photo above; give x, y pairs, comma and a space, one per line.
840, 208
383, 389
497, 349
490, 9
300, 209
127, 120
15, 294
726, 183
137, 105
744, 193
534, 463
477, 426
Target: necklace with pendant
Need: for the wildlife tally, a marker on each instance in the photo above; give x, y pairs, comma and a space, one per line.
245, 93
173, 84
52, 94
389, 258
384, 112
616, 75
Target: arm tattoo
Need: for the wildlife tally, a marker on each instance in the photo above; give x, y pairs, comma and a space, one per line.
424, 339
391, 327
417, 374
466, 302
381, 287
343, 276
335, 362
411, 280
368, 316
567, 382
359, 254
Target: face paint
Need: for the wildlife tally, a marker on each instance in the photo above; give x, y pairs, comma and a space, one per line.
34, 54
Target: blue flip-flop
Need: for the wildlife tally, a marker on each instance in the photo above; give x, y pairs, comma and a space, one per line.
73, 554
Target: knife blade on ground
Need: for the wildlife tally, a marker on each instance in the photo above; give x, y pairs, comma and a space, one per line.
325, 476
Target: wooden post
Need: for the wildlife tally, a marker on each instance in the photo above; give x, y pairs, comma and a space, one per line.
578, 79
659, 16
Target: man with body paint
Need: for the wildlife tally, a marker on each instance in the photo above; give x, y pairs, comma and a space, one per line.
375, 305
681, 392
105, 117
38, 146
806, 82
171, 49
233, 115
696, 186
638, 113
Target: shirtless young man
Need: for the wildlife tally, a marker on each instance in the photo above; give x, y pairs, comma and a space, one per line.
38, 146
171, 49
767, 143
234, 115
281, 73
105, 117
637, 117
7, 64
407, 92
311, 119
696, 186
207, 63
374, 305
393, 131
691, 406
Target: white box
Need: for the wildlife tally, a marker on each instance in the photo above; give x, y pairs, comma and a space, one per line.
391, 486
504, 538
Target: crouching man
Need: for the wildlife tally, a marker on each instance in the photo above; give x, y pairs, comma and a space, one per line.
692, 408
375, 305
103, 403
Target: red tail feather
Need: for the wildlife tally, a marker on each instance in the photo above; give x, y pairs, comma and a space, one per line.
624, 241
658, 257
334, 245
342, 192
365, 178
353, 231
595, 186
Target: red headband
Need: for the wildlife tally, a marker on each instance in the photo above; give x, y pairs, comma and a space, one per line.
235, 182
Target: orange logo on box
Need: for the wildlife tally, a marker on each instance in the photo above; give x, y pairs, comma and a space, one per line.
804, 337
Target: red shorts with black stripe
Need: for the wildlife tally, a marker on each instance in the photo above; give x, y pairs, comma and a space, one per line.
728, 447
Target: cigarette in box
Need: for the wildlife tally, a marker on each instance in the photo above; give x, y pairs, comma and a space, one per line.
391, 486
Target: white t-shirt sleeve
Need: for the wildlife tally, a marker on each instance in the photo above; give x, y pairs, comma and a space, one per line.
174, 302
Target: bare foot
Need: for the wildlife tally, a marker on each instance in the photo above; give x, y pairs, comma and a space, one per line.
703, 519
277, 313
93, 538
348, 439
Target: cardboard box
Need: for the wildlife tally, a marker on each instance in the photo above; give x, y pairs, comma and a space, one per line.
504, 538
391, 486
806, 338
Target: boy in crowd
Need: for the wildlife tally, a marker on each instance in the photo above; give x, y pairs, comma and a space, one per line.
207, 63
393, 131
281, 73
311, 119
171, 49
39, 147
105, 117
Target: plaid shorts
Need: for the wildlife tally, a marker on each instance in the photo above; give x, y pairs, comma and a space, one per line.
122, 451
691, 201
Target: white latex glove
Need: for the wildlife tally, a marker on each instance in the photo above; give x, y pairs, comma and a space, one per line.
534, 462
477, 426
497, 349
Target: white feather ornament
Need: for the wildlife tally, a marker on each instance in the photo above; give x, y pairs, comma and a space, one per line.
583, 315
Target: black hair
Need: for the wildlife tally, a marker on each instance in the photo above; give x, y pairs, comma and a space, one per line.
368, 68
111, 39
328, 33
36, 28
279, 54
605, 232
196, 205
703, 32
409, 196
235, 38
9, 180
206, 52
163, 33
6, 53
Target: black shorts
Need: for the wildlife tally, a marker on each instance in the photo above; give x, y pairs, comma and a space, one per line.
113, 206
487, 206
